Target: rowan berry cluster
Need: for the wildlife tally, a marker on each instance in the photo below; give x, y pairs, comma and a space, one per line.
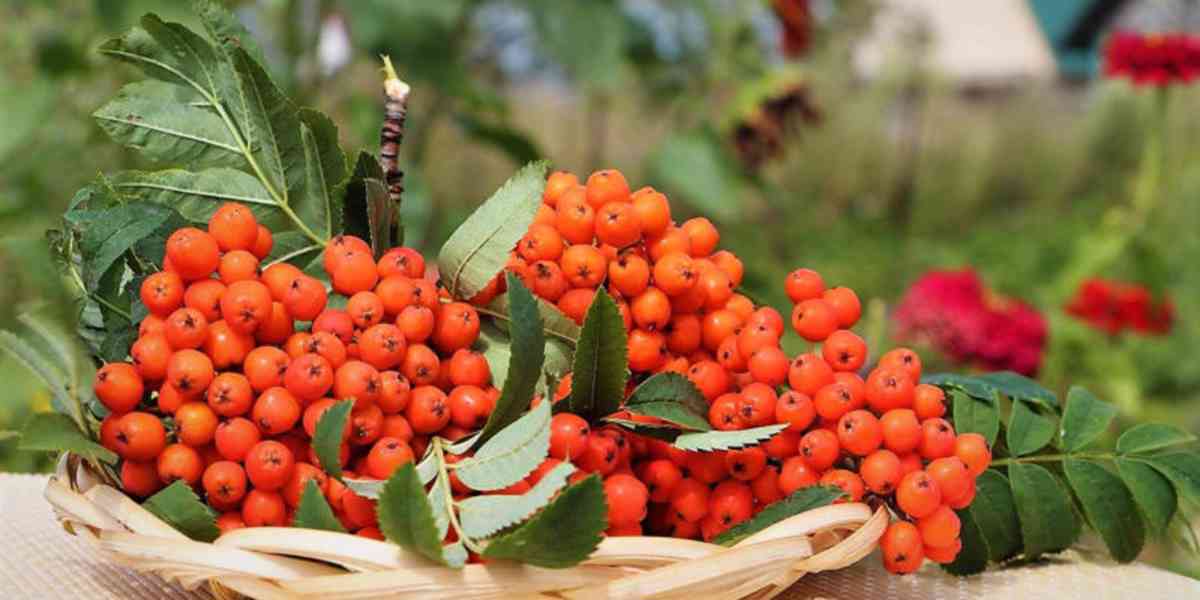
224, 391
880, 439
234, 367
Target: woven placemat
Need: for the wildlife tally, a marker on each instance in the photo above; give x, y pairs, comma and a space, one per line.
40, 560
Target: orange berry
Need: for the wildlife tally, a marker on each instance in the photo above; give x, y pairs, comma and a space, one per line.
702, 236
953, 479
626, 498
881, 471
844, 351
237, 265
193, 253
225, 481
814, 319
119, 387
675, 274
797, 473
140, 479
606, 186
195, 424
803, 284
901, 430
180, 462
940, 529
387, 455
263, 242
652, 210
845, 304
275, 411
849, 482
972, 449
903, 359
918, 494
901, 548
889, 388
929, 401
233, 227
859, 432
937, 439
820, 448
269, 465
795, 409
809, 373
139, 436
162, 292
557, 184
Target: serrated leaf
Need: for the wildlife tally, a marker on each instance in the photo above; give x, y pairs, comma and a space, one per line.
428, 468
527, 342
600, 370
169, 52
479, 248
1018, 386
327, 437
55, 432
972, 415
271, 127
659, 431
564, 533
112, 232
1108, 506
182, 509
1028, 431
483, 516
156, 118
510, 455
320, 202
555, 323
198, 194
972, 386
314, 512
369, 213
995, 514
1048, 521
1154, 494
802, 500
62, 399
440, 500
1085, 419
406, 517
726, 440
496, 347
223, 26
672, 412
670, 387
455, 554
367, 488
1182, 469
973, 557
1149, 437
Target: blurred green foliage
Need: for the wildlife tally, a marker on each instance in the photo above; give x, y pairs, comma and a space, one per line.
903, 173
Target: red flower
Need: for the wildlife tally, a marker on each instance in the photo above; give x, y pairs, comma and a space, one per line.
1152, 59
954, 312
1113, 306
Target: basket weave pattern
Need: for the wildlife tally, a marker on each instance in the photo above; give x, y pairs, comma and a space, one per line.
271, 563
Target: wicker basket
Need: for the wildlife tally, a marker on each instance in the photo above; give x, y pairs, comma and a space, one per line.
275, 563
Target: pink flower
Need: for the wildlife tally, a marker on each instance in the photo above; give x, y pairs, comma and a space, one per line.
1152, 59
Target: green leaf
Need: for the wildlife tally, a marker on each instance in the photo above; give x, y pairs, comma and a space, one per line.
483, 516
1048, 521
314, 511
1017, 386
802, 500
973, 387
158, 119
670, 387
182, 509
725, 440
197, 195
1183, 469
170, 52
271, 128
995, 514
1085, 419
527, 342
479, 248
973, 557
406, 517
511, 454
972, 415
440, 500
1108, 506
327, 437
659, 431
1154, 494
56, 432
367, 488
1149, 437
320, 203
600, 371
223, 26
672, 412
555, 323
564, 533
112, 232
64, 400
1028, 431
369, 212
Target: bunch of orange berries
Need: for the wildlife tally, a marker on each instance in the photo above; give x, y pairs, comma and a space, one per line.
235, 365
880, 438
224, 391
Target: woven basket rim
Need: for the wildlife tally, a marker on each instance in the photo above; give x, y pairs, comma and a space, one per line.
269, 563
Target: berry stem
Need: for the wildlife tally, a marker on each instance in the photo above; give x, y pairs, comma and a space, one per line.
444, 480
391, 133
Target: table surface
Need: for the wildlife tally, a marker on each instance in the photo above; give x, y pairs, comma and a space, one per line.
38, 559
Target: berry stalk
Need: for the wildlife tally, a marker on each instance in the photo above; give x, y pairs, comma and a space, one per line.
391, 134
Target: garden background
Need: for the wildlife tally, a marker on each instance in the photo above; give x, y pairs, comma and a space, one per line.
827, 134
